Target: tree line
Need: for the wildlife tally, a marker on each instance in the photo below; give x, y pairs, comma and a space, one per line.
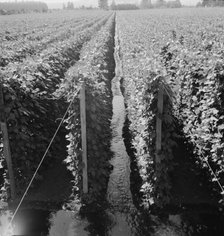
69, 6
144, 4
7, 8
212, 3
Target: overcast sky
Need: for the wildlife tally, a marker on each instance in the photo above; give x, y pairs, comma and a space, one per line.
58, 3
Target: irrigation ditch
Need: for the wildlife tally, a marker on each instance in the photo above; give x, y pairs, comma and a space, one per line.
49, 210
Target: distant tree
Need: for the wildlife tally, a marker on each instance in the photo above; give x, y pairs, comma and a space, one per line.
103, 4
70, 6
212, 2
160, 1
22, 7
113, 5
145, 4
126, 6
174, 4
64, 6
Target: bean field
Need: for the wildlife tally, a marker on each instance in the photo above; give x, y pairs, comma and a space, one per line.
112, 123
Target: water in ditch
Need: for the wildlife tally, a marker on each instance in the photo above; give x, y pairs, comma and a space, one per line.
119, 194
34, 222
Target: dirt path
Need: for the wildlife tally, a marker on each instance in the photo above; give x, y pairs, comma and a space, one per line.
119, 193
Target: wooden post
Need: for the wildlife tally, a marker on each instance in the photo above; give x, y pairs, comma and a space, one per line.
159, 123
84, 138
6, 146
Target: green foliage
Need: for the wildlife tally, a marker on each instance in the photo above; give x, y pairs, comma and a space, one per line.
31, 118
197, 79
33, 111
144, 4
95, 70
212, 3
142, 80
125, 6
103, 4
142, 112
40, 40
201, 107
70, 6
190, 70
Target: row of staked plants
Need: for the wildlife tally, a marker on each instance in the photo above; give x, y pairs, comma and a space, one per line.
95, 69
141, 82
191, 76
32, 109
197, 78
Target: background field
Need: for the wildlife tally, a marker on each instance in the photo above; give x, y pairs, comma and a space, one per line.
44, 61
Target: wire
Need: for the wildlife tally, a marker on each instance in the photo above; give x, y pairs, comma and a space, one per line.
216, 178
38, 167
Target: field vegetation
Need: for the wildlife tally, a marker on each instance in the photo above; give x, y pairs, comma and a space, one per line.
45, 59
29, 81
158, 49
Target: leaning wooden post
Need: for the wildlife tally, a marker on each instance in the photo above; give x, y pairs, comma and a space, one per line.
159, 123
6, 146
84, 138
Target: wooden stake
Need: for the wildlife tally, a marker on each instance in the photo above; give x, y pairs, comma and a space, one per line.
6, 146
159, 124
84, 140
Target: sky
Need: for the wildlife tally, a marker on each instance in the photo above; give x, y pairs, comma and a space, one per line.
77, 3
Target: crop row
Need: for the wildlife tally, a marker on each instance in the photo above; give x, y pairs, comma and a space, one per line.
96, 69
17, 51
198, 85
184, 56
9, 36
32, 111
19, 27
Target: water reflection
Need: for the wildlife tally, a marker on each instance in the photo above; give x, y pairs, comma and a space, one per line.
121, 226
5, 217
67, 223
43, 223
34, 222
31, 222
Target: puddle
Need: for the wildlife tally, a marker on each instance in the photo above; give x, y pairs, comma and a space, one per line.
31, 222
